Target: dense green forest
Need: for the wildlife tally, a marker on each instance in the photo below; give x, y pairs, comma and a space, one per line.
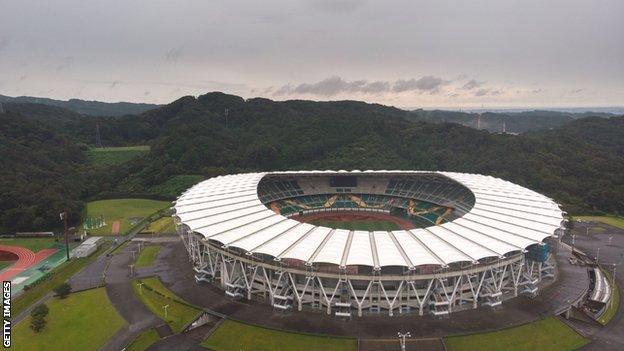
579, 163
93, 108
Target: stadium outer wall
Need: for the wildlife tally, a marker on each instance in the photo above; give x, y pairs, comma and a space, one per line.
343, 293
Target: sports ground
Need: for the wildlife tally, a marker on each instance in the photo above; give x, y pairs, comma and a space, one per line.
121, 214
356, 221
28, 259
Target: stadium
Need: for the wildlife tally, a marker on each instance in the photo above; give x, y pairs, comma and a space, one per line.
351, 243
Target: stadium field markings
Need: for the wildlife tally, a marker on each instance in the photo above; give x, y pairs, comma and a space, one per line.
83, 321
548, 334
617, 222
147, 256
233, 335
357, 225
122, 210
108, 156
156, 296
144, 340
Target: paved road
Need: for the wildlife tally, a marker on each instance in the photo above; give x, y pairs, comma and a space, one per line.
120, 293
610, 337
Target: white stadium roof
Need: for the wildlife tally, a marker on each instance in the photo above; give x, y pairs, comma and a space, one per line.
505, 217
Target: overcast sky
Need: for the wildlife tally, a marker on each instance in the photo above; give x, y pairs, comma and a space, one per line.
499, 53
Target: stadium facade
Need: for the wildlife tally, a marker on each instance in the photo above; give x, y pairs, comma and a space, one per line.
465, 240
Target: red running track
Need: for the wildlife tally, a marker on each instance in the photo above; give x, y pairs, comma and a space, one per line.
25, 260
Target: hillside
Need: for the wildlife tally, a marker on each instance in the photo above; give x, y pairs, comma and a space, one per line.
579, 164
91, 108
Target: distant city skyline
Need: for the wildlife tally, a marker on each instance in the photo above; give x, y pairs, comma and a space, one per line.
410, 54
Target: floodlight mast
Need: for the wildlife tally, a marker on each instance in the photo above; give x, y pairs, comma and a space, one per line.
63, 216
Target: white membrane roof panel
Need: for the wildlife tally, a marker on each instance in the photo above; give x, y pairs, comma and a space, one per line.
505, 218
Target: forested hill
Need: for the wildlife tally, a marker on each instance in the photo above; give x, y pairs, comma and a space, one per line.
92, 108
580, 164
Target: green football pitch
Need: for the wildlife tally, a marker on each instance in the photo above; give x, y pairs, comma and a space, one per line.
357, 225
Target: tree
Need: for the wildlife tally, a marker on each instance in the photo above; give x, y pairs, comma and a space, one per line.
63, 290
40, 311
37, 324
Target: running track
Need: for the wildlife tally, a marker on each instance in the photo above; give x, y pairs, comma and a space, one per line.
25, 260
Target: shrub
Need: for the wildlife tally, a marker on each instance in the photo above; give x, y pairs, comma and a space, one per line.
62, 290
40, 311
37, 324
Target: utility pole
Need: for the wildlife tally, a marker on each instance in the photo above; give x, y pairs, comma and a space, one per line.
63, 216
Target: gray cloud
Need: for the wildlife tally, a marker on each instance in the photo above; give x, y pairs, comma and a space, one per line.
174, 55
426, 83
4, 43
336, 85
487, 92
337, 6
471, 84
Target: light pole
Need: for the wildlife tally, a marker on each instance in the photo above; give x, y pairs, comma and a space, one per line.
165, 307
132, 270
597, 254
610, 238
63, 216
402, 337
140, 284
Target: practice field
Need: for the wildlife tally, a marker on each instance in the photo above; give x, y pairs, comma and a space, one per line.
147, 256
161, 225
33, 244
549, 334
109, 156
617, 222
155, 295
357, 225
82, 321
232, 335
126, 211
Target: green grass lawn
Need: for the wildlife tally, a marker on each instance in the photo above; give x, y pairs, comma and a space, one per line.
60, 274
161, 225
115, 155
357, 225
549, 334
147, 256
144, 340
122, 210
6, 264
33, 244
179, 313
232, 335
82, 321
614, 303
617, 222
175, 185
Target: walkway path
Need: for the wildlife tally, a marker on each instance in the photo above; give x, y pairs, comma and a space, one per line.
120, 293
610, 337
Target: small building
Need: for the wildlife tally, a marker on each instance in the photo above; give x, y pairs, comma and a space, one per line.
87, 247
